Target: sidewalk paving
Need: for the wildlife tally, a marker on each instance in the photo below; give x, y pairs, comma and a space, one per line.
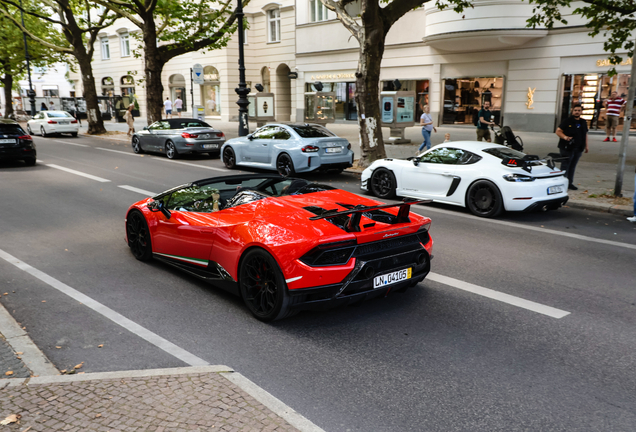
595, 173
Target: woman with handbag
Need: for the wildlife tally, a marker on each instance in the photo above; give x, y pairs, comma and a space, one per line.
130, 120
573, 134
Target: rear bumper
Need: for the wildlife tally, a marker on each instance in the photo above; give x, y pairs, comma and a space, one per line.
199, 147
551, 204
17, 153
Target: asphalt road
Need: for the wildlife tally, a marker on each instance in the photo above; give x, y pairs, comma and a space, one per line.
525, 323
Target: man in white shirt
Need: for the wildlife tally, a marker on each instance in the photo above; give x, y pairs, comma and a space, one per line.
168, 107
178, 105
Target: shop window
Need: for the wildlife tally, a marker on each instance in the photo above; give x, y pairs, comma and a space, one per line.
105, 49
211, 91
178, 90
463, 97
318, 11
108, 86
125, 45
273, 24
127, 85
50, 93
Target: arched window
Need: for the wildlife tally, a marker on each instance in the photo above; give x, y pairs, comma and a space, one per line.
177, 87
108, 86
211, 91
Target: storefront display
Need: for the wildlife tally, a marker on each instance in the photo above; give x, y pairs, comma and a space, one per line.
344, 104
465, 96
211, 91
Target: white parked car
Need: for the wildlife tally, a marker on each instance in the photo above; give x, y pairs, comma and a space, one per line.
484, 177
52, 122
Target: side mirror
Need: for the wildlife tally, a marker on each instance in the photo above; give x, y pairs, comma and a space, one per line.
416, 161
145, 128
157, 206
250, 137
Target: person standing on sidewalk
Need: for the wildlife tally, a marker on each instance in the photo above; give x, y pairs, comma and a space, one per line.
130, 120
168, 107
427, 127
484, 122
613, 107
573, 134
178, 105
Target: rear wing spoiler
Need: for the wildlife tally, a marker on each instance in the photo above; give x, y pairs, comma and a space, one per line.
522, 163
353, 225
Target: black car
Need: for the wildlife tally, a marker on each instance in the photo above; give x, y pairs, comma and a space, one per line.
15, 143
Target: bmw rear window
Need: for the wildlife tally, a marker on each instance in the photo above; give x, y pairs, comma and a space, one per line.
58, 114
11, 129
189, 124
313, 132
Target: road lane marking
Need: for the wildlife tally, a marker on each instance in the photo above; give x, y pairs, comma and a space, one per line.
70, 143
422, 212
134, 189
118, 151
499, 296
107, 312
191, 164
79, 173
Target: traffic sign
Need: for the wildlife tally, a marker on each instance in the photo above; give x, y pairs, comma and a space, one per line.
197, 74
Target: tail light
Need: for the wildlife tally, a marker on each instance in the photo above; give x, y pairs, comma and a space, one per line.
220, 134
310, 149
422, 233
51, 122
189, 135
73, 121
330, 254
25, 137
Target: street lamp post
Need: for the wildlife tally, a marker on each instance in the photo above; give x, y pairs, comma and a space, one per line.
242, 90
30, 93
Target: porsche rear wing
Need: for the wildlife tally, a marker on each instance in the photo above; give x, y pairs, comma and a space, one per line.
353, 225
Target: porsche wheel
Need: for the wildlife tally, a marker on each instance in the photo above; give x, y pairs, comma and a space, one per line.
383, 184
263, 287
136, 145
285, 165
484, 199
229, 158
171, 150
43, 132
138, 236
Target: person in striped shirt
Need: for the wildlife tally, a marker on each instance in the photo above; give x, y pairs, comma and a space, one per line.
613, 107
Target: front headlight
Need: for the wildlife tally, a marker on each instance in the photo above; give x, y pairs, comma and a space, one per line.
518, 178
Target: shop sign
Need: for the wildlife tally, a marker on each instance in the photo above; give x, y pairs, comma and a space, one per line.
332, 76
607, 62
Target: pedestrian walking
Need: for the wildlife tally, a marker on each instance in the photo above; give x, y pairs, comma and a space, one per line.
613, 107
178, 105
485, 117
633, 218
43, 107
76, 114
168, 107
51, 106
573, 142
427, 127
446, 137
130, 120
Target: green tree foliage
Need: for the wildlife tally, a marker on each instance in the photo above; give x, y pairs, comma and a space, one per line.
615, 19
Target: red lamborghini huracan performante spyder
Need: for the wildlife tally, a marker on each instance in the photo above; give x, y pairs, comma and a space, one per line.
283, 244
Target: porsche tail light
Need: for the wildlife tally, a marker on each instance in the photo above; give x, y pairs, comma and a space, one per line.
73, 121
310, 149
51, 122
330, 254
189, 135
220, 134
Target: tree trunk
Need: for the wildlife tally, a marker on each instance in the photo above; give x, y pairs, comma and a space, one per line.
93, 113
368, 94
7, 82
153, 68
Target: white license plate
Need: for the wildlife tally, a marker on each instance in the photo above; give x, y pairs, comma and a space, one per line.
555, 190
210, 146
64, 122
333, 150
7, 141
391, 278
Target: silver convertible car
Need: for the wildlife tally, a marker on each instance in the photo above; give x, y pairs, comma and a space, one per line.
288, 149
178, 136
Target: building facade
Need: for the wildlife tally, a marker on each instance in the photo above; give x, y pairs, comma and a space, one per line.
451, 62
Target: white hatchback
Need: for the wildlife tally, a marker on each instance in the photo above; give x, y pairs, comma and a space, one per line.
53, 122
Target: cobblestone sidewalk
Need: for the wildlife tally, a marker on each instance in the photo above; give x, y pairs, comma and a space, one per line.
174, 400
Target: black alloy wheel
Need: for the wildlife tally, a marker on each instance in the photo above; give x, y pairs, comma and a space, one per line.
136, 145
263, 287
285, 165
138, 236
171, 150
43, 132
383, 184
229, 158
484, 199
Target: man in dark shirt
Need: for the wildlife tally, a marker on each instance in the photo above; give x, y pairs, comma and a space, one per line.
484, 121
573, 134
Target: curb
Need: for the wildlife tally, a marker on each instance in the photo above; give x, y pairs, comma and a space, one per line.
20, 341
103, 137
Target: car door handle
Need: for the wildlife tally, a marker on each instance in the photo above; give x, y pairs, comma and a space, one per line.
447, 174
264, 145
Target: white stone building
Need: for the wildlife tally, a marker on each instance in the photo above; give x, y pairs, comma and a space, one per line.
531, 76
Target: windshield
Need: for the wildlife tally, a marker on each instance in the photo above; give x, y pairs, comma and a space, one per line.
313, 131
